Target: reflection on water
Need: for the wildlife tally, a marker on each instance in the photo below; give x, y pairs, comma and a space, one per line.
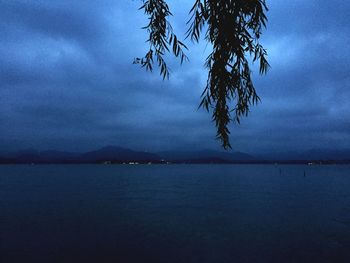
175, 213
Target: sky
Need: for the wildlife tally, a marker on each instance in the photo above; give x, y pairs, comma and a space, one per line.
67, 81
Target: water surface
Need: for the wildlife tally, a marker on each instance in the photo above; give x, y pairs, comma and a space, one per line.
174, 213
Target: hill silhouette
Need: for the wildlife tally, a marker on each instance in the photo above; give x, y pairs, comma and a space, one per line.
117, 154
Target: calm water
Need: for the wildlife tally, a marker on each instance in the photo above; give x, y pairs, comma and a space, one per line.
174, 213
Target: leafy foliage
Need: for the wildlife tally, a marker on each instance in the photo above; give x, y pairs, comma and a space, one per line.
161, 37
233, 28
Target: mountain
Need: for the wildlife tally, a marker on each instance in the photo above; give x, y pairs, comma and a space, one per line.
58, 156
205, 156
325, 154
308, 155
106, 154
24, 156
34, 156
118, 154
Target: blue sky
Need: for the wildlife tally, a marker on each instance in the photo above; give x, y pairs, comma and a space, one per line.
67, 80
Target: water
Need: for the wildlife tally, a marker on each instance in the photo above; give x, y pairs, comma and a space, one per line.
174, 213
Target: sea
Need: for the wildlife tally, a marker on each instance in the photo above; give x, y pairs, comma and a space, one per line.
174, 213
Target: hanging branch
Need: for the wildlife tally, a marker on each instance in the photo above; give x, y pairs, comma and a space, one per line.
233, 28
161, 37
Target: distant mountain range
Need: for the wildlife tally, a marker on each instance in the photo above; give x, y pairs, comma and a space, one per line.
111, 154
206, 156
115, 154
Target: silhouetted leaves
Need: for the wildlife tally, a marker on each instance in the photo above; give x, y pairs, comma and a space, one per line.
233, 28
161, 37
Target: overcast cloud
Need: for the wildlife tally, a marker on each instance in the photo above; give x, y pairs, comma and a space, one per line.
67, 80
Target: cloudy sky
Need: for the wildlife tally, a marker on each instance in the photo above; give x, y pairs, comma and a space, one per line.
67, 80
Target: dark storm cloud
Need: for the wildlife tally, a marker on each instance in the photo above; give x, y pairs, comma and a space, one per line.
67, 80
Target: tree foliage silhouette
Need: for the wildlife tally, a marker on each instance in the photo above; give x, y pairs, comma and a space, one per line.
233, 29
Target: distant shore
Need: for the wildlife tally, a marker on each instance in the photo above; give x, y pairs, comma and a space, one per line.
120, 155
279, 162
